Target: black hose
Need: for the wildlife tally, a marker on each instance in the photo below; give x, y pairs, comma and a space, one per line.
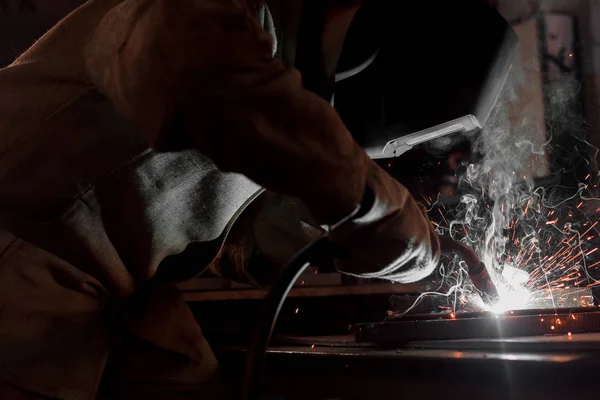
314, 254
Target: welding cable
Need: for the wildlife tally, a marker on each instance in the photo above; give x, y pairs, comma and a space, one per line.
314, 254
476, 269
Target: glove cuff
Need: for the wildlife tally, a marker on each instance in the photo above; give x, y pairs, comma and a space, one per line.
362, 210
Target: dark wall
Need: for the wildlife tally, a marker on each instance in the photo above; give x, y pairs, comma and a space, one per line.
22, 22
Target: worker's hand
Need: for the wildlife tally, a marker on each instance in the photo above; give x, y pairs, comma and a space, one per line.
389, 237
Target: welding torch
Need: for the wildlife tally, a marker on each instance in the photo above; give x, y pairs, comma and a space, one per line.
475, 268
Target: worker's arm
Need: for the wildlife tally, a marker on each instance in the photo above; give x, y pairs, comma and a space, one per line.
199, 73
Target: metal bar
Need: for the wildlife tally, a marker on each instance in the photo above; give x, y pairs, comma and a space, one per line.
482, 326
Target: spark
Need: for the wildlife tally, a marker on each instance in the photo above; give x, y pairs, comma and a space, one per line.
590, 228
552, 258
539, 245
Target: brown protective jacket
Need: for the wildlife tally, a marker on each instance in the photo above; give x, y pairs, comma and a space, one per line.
101, 180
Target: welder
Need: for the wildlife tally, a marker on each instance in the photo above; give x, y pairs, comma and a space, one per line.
132, 136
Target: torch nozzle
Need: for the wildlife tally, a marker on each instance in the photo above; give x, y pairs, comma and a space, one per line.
477, 271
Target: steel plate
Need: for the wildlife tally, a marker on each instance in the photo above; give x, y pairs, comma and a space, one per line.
398, 331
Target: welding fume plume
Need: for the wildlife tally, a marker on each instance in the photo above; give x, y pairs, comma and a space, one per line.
476, 269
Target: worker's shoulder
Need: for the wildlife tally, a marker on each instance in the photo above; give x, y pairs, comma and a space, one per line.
64, 44
48, 78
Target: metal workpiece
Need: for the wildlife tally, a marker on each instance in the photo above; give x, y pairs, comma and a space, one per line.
399, 331
532, 368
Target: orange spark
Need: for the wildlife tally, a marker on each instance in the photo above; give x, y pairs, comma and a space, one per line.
590, 228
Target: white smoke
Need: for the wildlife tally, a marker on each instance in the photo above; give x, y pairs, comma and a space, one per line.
514, 227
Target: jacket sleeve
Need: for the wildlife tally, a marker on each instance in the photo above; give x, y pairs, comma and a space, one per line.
199, 73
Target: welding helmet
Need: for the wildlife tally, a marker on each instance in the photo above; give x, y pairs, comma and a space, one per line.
411, 71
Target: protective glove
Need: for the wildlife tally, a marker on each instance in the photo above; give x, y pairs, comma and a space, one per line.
389, 235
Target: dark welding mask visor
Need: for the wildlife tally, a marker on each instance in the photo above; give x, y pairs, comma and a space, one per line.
413, 71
